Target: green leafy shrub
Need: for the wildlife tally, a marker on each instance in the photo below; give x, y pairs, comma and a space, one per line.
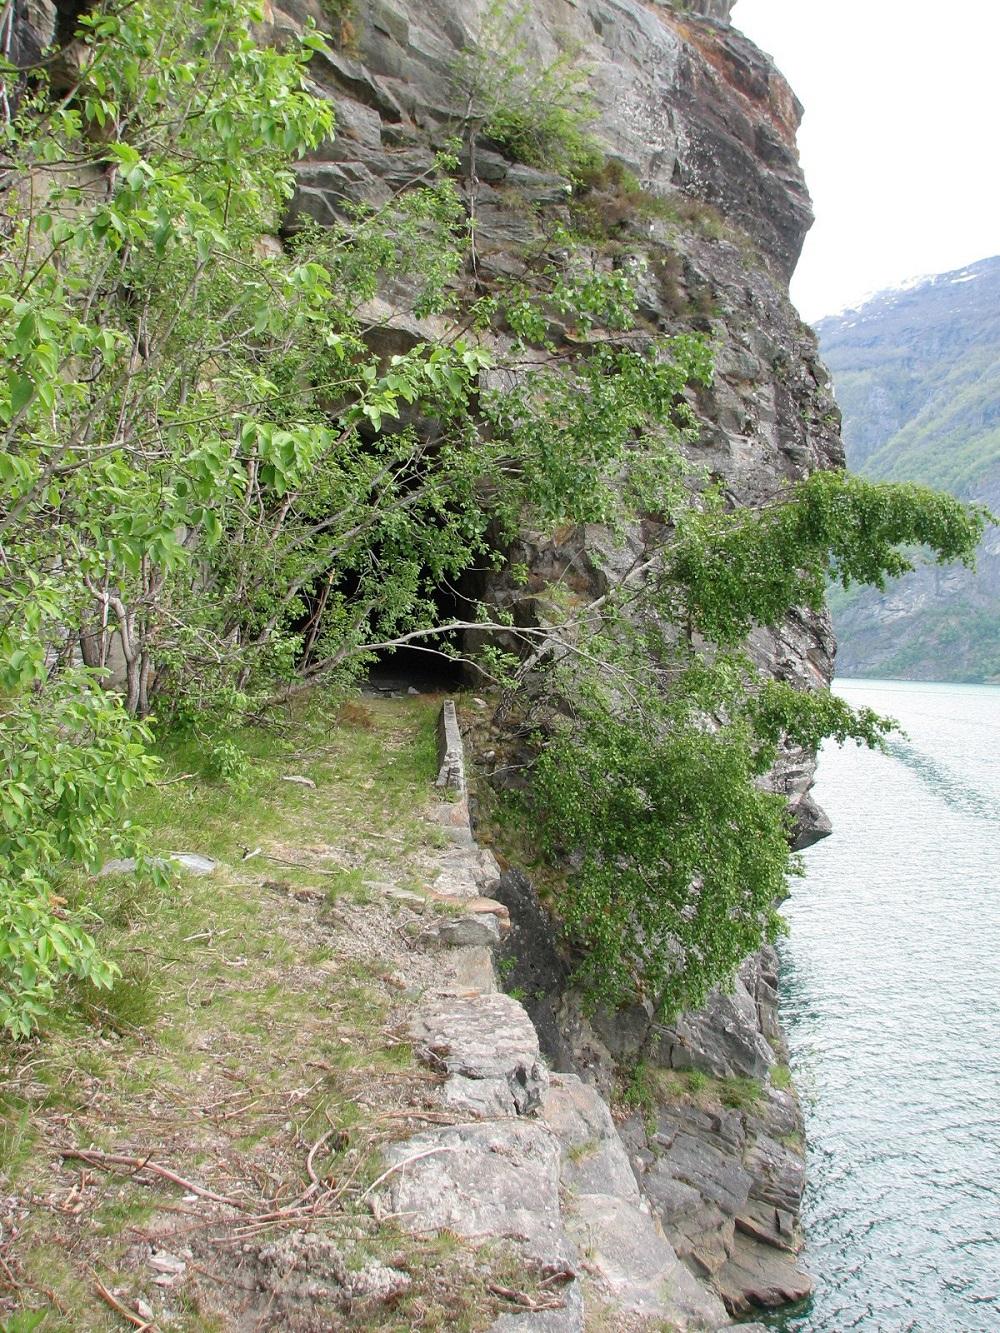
70, 758
650, 786
540, 116
207, 469
733, 570
134, 200
681, 856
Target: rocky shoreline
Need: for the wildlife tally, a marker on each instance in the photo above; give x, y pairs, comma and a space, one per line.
683, 1212
704, 1176
717, 1145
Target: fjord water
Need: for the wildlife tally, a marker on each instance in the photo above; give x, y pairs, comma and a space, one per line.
891, 1004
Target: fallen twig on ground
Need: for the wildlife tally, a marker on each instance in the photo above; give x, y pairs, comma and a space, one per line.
108, 1298
136, 1164
310, 1171
297, 865
430, 1152
522, 1299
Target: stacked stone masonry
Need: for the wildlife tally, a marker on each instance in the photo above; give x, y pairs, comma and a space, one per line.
527, 1155
696, 113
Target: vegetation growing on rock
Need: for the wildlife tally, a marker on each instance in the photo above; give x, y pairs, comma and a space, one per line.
220, 464
538, 116
255, 1045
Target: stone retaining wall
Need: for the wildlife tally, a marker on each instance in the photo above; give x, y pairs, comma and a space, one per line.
530, 1155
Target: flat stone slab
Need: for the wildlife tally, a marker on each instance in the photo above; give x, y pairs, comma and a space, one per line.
451, 751
484, 1038
760, 1277
482, 1098
594, 1160
475, 904
483, 1180
468, 868
635, 1266
457, 880
454, 818
469, 970
415, 900
463, 931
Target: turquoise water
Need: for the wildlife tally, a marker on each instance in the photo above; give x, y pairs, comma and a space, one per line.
891, 1003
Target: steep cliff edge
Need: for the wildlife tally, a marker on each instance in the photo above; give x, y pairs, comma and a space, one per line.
701, 121
700, 199
696, 116
706, 205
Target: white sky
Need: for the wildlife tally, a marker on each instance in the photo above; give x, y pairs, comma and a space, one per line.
901, 137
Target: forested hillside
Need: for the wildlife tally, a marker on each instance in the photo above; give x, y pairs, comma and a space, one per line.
917, 376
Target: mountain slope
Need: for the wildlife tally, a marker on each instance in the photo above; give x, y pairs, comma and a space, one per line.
917, 376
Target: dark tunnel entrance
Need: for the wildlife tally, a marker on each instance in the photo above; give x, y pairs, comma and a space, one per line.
426, 665
435, 663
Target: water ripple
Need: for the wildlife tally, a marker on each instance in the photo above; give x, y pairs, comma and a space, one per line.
891, 1000
944, 783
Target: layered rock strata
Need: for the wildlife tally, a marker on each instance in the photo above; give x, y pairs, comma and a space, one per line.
699, 118
523, 1155
716, 1141
706, 126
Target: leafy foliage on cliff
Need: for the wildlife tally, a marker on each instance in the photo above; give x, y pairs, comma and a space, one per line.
539, 116
210, 479
211, 470
653, 790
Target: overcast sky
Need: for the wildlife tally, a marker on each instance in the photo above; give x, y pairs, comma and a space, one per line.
901, 137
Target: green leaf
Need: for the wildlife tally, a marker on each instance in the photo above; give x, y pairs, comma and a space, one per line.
21, 390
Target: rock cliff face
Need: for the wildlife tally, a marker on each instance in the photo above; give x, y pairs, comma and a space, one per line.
715, 1139
692, 110
514, 1150
707, 125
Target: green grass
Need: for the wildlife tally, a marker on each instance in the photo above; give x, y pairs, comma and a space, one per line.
743, 1094
579, 1152
365, 775
251, 1018
17, 1138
